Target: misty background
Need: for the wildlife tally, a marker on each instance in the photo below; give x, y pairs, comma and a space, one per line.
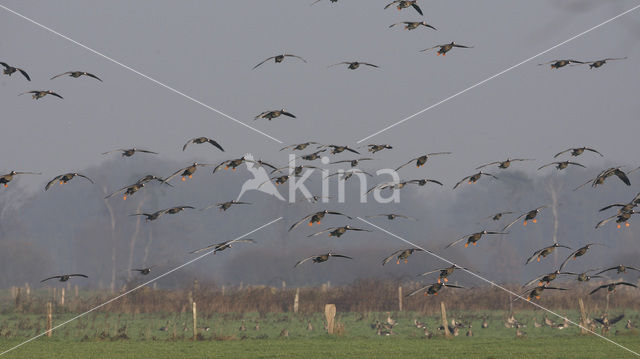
207, 50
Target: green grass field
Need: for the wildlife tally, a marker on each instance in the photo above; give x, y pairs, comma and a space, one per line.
102, 335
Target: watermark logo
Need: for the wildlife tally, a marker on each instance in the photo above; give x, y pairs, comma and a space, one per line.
260, 181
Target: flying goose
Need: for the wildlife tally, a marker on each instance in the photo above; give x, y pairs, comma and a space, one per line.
528, 216
128, 152
422, 160
411, 25
579, 253
402, 4
444, 48
5, 179
619, 269
392, 216
199, 140
64, 277
299, 146
506, 163
373, 148
186, 172
155, 215
338, 231
613, 171
444, 273
316, 218
578, 151
36, 94
473, 178
321, 258
561, 165
269, 115
353, 163
620, 218
402, 254
64, 178
611, 287
352, 65
432, 289
76, 74
222, 246
9, 70
544, 252
472, 238
143, 271
599, 63
279, 58
224, 205
556, 64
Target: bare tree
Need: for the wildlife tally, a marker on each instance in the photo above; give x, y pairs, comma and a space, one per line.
112, 216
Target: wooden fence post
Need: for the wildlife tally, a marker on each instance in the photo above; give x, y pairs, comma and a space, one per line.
400, 298
62, 297
195, 326
447, 334
49, 319
583, 316
330, 316
296, 301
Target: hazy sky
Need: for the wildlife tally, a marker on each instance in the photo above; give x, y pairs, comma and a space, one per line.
207, 49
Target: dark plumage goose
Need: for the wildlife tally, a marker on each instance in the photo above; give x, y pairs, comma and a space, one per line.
64, 277
345, 175
444, 273
353, 163
143, 271
223, 245
128, 190
611, 287
373, 148
584, 276
64, 178
600, 178
269, 115
279, 58
401, 255
338, 231
537, 291
296, 171
317, 1
556, 64
148, 178
577, 151
316, 218
528, 216
9, 70
472, 238
299, 146
579, 253
128, 152
402, 184
498, 216
546, 278
335, 149
186, 172
619, 269
620, 218
474, 178
352, 65
561, 165
199, 140
312, 156
155, 215
76, 74
5, 179
444, 48
37, 94
598, 63
321, 258
506, 163
625, 207
224, 205
432, 289
544, 252
412, 25
403, 4
422, 160
392, 216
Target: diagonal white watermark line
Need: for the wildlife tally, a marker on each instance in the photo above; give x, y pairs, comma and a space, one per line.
133, 290
497, 286
496, 75
141, 74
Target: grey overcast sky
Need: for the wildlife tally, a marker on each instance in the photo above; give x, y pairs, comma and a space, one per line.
207, 49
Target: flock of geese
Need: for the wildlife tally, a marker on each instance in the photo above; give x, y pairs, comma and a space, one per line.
532, 289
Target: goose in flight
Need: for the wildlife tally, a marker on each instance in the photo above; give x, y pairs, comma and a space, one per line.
528, 216
186, 172
128, 190
444, 48
335, 149
76, 74
143, 271
317, 1
611, 287
506, 163
556, 64
561, 165
316, 218
37, 94
373, 148
155, 215
444, 273
600, 178
402, 184
5, 179
299, 146
64, 178
321, 258
128, 152
544, 252
620, 218
598, 63
269, 115
422, 160
545, 279
472, 238
578, 151
401, 255
537, 291
432, 289
224, 205
199, 140
498, 216
353, 163
392, 216
473, 178
64, 277
338, 231
279, 58
218, 247
9, 70
412, 25
619, 269
352, 65
403, 4
579, 253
